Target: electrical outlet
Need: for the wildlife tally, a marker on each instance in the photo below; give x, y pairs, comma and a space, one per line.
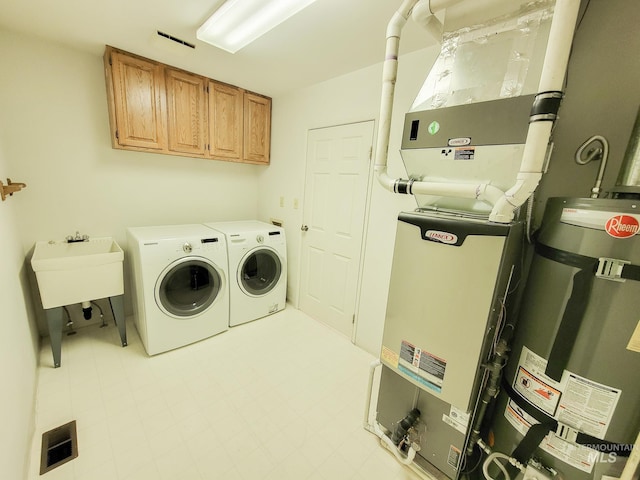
296, 203
282, 201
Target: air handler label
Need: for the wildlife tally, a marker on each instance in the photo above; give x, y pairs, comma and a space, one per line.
422, 366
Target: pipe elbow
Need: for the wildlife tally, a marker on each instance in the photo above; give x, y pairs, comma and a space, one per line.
383, 178
404, 460
504, 209
489, 193
399, 18
423, 15
395, 26
526, 183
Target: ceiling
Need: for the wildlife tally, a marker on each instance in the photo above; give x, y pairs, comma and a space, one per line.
327, 39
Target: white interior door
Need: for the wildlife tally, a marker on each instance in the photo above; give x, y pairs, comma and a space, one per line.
338, 166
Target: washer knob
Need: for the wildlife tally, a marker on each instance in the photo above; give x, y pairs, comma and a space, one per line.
259, 239
187, 248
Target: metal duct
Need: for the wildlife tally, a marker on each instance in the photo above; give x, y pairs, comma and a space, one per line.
628, 183
497, 202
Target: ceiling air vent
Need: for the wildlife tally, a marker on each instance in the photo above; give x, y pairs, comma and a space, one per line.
175, 39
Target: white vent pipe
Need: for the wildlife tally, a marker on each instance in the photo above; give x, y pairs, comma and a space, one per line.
543, 115
372, 425
551, 80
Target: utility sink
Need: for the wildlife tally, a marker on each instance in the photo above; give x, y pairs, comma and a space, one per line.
75, 272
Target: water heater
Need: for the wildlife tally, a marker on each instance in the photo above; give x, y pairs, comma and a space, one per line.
576, 352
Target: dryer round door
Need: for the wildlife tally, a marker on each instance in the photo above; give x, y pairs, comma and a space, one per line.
259, 271
188, 287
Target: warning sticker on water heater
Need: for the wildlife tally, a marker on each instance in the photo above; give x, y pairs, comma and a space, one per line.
634, 341
575, 401
534, 385
540, 393
578, 456
518, 418
422, 366
587, 406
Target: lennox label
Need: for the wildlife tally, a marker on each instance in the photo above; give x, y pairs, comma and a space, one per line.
622, 226
438, 236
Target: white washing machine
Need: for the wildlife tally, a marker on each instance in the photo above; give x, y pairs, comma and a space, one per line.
180, 284
257, 269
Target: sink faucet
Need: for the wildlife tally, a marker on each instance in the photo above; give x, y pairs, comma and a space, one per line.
77, 238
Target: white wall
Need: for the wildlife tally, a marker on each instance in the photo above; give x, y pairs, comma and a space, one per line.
18, 342
351, 98
56, 134
602, 98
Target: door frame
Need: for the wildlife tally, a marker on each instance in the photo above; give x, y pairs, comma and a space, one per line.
365, 224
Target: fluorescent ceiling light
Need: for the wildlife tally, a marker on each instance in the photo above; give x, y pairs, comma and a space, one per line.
239, 22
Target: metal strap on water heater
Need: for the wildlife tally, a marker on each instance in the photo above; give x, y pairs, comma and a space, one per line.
603, 267
537, 432
589, 269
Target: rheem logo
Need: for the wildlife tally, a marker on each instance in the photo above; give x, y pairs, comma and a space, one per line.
622, 226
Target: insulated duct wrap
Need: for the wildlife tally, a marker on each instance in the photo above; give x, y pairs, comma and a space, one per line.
524, 51
628, 183
501, 58
468, 124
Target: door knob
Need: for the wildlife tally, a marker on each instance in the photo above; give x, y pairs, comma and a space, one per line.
304, 228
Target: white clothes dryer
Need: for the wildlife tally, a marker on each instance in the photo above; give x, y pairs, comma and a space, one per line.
257, 269
180, 284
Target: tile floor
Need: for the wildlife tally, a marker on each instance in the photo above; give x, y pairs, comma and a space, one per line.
279, 398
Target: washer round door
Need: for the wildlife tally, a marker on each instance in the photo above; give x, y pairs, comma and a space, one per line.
259, 271
188, 287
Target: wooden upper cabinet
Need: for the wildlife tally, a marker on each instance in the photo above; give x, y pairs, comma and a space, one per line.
187, 112
138, 102
157, 108
225, 121
257, 128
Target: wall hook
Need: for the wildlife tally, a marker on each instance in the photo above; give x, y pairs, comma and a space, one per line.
10, 188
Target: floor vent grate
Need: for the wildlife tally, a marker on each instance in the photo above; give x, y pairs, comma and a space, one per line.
59, 446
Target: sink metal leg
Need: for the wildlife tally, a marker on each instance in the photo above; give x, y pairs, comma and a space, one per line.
117, 309
54, 322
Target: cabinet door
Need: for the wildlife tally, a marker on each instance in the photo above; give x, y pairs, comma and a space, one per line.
138, 89
257, 128
225, 121
186, 105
